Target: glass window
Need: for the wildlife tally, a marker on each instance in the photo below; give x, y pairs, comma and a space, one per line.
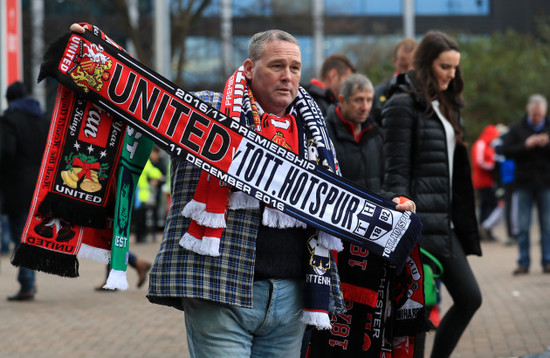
395, 7
452, 7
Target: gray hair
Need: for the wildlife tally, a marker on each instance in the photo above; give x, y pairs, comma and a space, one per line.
257, 42
354, 82
537, 99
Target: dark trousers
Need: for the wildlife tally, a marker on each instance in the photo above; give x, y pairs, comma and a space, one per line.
487, 202
461, 283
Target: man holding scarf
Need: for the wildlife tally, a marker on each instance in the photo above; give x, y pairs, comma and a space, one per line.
233, 264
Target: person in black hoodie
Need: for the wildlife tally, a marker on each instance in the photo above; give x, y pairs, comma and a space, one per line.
427, 161
24, 130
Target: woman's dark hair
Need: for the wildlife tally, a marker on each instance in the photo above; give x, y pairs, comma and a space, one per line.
432, 45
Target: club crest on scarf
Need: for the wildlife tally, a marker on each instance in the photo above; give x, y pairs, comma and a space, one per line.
365, 224
91, 64
83, 172
318, 259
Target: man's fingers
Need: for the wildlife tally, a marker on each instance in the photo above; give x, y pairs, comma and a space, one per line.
77, 28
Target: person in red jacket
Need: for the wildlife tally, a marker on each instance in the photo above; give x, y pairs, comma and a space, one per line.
483, 165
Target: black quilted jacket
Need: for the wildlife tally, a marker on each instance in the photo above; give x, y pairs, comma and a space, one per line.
416, 165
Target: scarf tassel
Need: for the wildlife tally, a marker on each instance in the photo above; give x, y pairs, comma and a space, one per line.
202, 240
275, 218
330, 242
93, 253
318, 319
116, 280
193, 209
239, 200
36, 258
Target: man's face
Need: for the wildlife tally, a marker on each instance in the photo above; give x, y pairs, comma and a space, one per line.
275, 76
403, 62
356, 109
536, 112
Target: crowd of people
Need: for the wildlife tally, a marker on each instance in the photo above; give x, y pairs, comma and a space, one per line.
402, 139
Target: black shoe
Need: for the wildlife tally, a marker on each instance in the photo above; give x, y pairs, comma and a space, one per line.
521, 271
23, 296
487, 235
546, 269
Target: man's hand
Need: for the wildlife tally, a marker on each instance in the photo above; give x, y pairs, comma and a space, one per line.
79, 29
536, 140
404, 204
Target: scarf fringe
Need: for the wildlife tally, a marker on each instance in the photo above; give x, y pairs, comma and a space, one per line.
319, 320
275, 218
197, 211
330, 242
53, 262
213, 220
193, 209
93, 253
116, 280
206, 245
239, 200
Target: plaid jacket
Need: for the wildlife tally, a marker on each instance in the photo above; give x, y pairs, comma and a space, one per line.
226, 279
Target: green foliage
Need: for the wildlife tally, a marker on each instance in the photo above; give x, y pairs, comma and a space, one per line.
500, 72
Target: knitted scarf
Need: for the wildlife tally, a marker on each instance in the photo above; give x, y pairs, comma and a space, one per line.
72, 166
83, 175
384, 311
135, 152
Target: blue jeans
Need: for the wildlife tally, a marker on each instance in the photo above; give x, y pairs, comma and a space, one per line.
25, 276
271, 329
525, 198
5, 235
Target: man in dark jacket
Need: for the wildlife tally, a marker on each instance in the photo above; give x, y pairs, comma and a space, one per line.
335, 69
24, 130
527, 143
402, 61
358, 141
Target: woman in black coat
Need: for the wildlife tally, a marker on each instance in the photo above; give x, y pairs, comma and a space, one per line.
427, 161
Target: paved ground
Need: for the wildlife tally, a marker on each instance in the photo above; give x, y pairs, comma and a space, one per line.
70, 319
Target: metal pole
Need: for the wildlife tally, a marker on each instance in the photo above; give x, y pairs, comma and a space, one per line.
408, 18
39, 89
226, 30
318, 37
162, 37
133, 14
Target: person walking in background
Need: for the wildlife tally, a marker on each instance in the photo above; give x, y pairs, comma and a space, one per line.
427, 161
402, 61
528, 145
145, 205
334, 70
483, 173
505, 186
24, 130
